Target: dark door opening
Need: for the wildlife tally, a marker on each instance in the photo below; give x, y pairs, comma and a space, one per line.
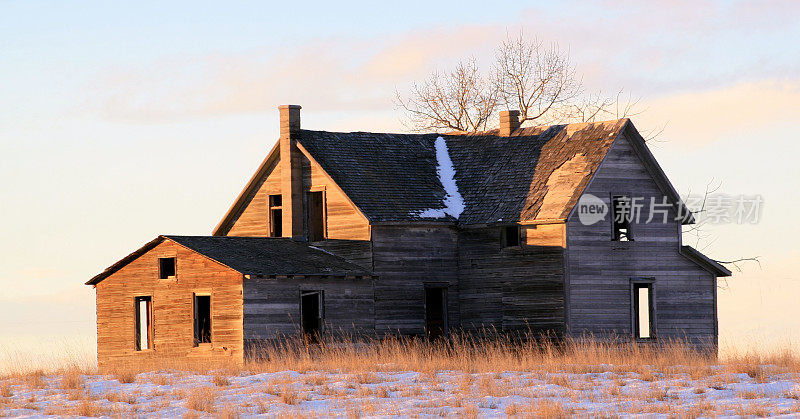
435, 312
316, 216
311, 317
202, 319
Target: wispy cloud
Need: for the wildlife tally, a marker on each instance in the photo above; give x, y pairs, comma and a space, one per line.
703, 117
650, 49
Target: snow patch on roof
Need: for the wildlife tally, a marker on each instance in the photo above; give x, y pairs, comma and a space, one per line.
453, 201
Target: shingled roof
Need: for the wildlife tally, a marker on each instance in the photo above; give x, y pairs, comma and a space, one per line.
262, 256
536, 173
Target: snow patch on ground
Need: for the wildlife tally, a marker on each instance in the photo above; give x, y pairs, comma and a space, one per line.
406, 393
453, 201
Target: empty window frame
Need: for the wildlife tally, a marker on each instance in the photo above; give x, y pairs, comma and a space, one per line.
143, 309
166, 268
275, 216
509, 235
621, 216
202, 319
642, 309
316, 216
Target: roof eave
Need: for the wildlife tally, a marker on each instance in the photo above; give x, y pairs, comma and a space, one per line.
125, 260
651, 164
704, 261
248, 189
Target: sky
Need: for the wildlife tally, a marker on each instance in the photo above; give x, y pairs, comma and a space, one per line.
120, 121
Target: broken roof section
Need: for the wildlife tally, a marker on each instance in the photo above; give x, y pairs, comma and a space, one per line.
260, 256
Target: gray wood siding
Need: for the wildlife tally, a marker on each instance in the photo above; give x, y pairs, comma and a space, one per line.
406, 258
355, 251
600, 270
272, 306
510, 289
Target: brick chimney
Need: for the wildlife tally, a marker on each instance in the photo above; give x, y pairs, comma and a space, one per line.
291, 173
509, 122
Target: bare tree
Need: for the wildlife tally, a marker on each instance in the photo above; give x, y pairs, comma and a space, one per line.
535, 78
462, 100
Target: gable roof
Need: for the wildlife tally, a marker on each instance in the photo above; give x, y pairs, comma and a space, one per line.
262, 256
536, 174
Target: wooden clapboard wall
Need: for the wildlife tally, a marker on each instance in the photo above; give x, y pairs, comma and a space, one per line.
600, 270
272, 306
343, 220
253, 219
406, 258
513, 289
172, 309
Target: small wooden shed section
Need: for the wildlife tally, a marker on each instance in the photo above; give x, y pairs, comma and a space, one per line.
205, 298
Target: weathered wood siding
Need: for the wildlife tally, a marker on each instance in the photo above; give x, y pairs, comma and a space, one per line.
406, 258
354, 251
600, 270
272, 306
513, 289
343, 220
172, 309
254, 217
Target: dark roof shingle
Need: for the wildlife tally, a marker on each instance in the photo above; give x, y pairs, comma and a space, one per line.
253, 256
536, 173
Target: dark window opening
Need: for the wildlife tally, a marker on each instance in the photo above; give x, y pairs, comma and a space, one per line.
622, 215
643, 311
275, 216
144, 325
311, 315
202, 319
435, 312
166, 268
316, 216
509, 236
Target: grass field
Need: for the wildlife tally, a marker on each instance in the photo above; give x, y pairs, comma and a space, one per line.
392, 377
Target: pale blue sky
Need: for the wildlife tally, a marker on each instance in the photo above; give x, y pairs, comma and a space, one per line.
123, 120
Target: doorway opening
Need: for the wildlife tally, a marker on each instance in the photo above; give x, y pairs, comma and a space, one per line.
311, 315
435, 312
202, 319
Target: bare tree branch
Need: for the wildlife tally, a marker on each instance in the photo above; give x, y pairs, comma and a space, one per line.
536, 78
461, 100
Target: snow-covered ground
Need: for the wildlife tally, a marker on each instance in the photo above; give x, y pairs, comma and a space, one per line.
710, 392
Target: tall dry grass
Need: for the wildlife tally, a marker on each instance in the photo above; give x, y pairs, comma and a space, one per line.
466, 353
496, 353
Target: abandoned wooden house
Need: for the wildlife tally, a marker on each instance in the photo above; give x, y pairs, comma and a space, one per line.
422, 234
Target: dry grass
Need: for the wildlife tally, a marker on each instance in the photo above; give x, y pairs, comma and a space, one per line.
461, 378
71, 380
221, 380
468, 354
289, 395
5, 389
120, 396
125, 375
202, 399
34, 379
